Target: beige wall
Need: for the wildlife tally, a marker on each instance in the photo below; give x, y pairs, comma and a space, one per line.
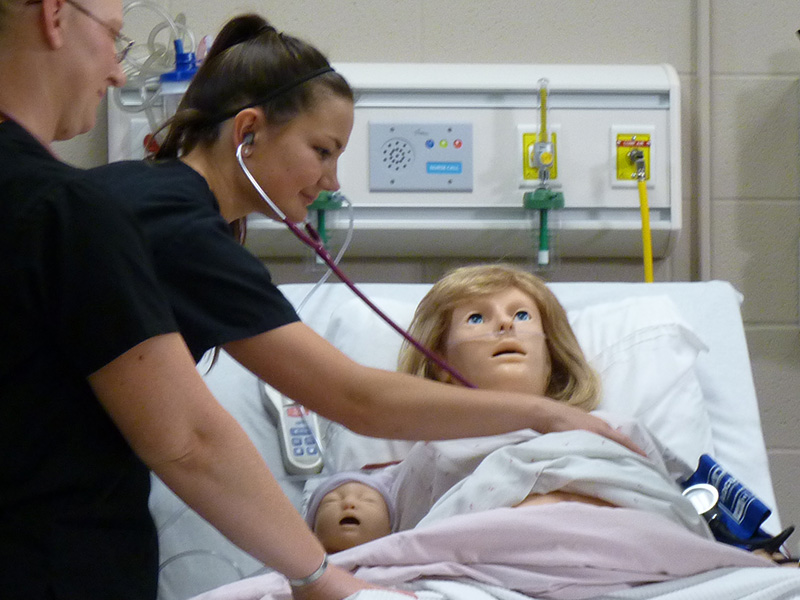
738, 63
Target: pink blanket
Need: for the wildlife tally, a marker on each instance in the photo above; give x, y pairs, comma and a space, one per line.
560, 551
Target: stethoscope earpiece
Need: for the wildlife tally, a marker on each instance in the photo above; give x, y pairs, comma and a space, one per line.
247, 143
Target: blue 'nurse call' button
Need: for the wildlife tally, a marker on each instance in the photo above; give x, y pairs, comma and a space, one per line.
448, 168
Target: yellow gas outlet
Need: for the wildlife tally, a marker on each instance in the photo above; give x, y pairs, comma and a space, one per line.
627, 143
529, 171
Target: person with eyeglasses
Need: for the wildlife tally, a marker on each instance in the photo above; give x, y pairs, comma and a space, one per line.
122, 42
97, 387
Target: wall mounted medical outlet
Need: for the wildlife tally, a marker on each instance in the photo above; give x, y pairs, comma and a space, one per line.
298, 432
325, 202
465, 201
543, 200
540, 157
627, 142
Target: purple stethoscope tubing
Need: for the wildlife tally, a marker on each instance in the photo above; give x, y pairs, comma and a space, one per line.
312, 239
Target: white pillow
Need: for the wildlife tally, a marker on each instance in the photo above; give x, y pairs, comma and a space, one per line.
645, 353
366, 338
642, 348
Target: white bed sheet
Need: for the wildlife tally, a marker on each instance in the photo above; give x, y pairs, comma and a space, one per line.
198, 558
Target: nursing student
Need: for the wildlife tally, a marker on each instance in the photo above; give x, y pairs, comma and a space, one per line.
277, 98
97, 386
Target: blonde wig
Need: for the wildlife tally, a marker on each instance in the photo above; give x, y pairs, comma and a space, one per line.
572, 381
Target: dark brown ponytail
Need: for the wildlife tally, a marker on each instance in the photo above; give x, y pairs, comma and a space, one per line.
248, 60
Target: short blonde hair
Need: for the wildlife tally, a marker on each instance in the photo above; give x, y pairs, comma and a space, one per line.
572, 381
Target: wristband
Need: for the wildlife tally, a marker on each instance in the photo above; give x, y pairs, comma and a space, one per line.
311, 578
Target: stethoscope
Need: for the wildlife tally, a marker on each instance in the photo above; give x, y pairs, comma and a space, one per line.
311, 238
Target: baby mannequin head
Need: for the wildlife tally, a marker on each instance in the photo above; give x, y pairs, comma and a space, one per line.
349, 509
468, 305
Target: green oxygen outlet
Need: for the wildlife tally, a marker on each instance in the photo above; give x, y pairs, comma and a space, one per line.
543, 200
327, 201
324, 202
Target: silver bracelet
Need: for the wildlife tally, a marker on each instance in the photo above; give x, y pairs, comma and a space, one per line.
313, 577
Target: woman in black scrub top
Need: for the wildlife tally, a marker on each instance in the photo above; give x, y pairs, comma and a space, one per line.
279, 96
96, 384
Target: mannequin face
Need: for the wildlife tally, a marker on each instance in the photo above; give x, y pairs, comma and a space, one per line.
351, 514
497, 342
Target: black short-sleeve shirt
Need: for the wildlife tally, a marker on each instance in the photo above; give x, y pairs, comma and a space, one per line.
219, 292
77, 290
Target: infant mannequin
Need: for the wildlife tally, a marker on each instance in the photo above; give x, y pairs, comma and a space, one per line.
349, 509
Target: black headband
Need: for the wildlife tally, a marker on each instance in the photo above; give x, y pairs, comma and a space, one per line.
275, 93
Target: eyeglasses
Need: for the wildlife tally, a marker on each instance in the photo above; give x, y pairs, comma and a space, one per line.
122, 42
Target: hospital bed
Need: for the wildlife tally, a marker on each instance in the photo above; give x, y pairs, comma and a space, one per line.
672, 355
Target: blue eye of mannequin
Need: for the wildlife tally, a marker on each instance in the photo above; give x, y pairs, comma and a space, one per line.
520, 315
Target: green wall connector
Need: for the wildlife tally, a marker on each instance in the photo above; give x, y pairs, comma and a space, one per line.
543, 200
322, 227
326, 201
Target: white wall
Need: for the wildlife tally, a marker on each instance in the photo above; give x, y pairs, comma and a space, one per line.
746, 169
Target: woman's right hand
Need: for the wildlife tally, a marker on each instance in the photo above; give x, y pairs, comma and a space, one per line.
336, 584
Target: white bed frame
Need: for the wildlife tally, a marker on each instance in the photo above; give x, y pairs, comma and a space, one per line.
195, 557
